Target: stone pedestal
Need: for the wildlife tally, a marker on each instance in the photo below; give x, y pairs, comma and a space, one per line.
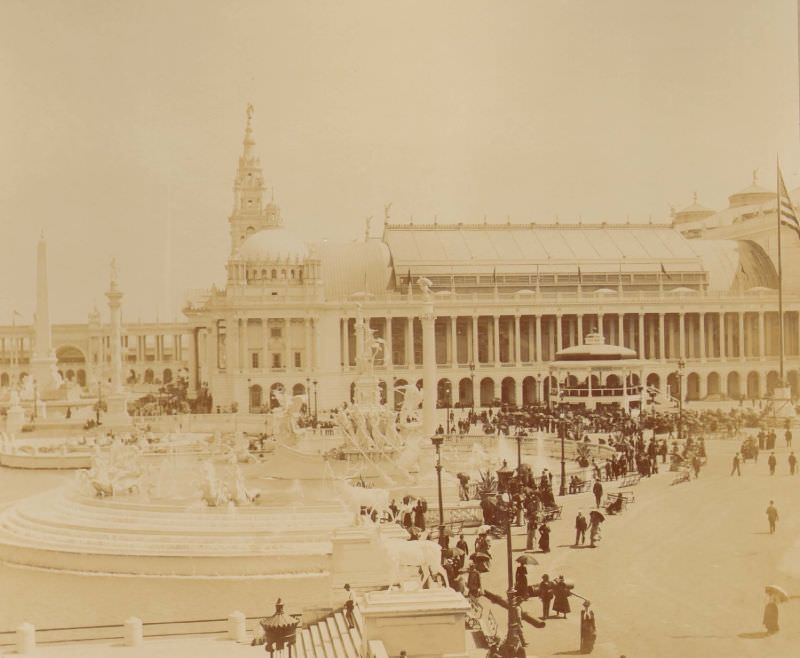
782, 403
426, 623
15, 419
358, 559
133, 635
116, 414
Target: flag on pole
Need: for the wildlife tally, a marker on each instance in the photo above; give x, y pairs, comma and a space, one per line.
580, 276
787, 212
664, 271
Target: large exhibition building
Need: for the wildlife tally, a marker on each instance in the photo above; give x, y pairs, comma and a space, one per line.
509, 301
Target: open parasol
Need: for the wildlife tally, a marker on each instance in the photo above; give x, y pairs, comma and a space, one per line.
480, 556
527, 559
598, 516
453, 552
778, 592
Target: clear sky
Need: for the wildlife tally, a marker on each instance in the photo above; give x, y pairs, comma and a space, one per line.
121, 122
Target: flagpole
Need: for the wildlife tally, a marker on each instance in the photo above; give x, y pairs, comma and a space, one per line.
778, 212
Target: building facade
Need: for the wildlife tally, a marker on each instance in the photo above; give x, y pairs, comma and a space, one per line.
505, 297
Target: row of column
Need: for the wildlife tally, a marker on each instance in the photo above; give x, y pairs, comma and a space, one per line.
518, 339
246, 345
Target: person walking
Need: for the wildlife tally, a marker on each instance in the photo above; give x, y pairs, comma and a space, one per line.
521, 582
561, 595
588, 628
545, 592
597, 490
544, 537
737, 461
771, 615
531, 532
349, 607
462, 545
474, 586
792, 463
772, 462
772, 516
580, 529
788, 436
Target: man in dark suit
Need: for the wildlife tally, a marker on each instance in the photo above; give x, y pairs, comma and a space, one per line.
597, 489
580, 528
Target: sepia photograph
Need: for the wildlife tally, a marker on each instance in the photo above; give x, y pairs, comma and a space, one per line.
420, 329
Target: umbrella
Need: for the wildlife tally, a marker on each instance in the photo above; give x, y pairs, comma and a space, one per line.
778, 592
480, 556
453, 552
484, 528
594, 514
528, 559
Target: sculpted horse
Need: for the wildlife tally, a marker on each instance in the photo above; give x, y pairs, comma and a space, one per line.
424, 554
357, 498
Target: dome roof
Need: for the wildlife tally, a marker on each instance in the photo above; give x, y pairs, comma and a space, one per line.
595, 348
693, 212
752, 194
273, 245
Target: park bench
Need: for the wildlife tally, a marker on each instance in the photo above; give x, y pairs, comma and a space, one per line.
681, 476
552, 513
630, 479
581, 487
455, 528
624, 497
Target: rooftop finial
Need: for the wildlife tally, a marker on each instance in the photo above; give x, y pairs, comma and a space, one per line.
386, 209
694, 195
755, 176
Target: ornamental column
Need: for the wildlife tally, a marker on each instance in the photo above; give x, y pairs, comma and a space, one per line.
517, 345
662, 354
117, 401
496, 340
453, 341
722, 338
682, 351
741, 335
538, 339
762, 338
475, 348
559, 337
428, 369
702, 324
641, 335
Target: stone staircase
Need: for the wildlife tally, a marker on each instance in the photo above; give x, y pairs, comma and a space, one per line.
329, 638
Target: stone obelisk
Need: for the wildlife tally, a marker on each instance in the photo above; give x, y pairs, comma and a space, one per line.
43, 359
117, 400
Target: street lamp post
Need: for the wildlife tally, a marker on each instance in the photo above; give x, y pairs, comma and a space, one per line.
519, 451
99, 399
308, 396
448, 389
472, 384
437, 440
562, 430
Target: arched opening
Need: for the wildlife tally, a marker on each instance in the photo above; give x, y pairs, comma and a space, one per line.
734, 386
772, 382
571, 381
81, 377
508, 391
167, 376
69, 375
487, 392
692, 386
549, 389
399, 393
444, 393
528, 391
274, 391
653, 381
299, 389
713, 385
148, 376
673, 385
465, 392
256, 394
753, 390
613, 381
793, 382
4, 379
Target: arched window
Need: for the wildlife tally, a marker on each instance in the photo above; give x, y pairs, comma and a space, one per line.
274, 274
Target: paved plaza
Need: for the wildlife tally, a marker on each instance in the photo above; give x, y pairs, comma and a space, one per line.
682, 571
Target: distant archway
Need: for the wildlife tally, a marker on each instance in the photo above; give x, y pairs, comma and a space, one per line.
444, 393
167, 376
692, 386
256, 398
772, 382
148, 376
487, 392
465, 392
734, 385
508, 391
753, 389
399, 393
528, 391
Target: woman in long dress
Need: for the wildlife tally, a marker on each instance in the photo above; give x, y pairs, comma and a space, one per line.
771, 615
544, 538
521, 582
561, 597
588, 629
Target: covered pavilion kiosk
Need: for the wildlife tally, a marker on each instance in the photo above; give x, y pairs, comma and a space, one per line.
596, 373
